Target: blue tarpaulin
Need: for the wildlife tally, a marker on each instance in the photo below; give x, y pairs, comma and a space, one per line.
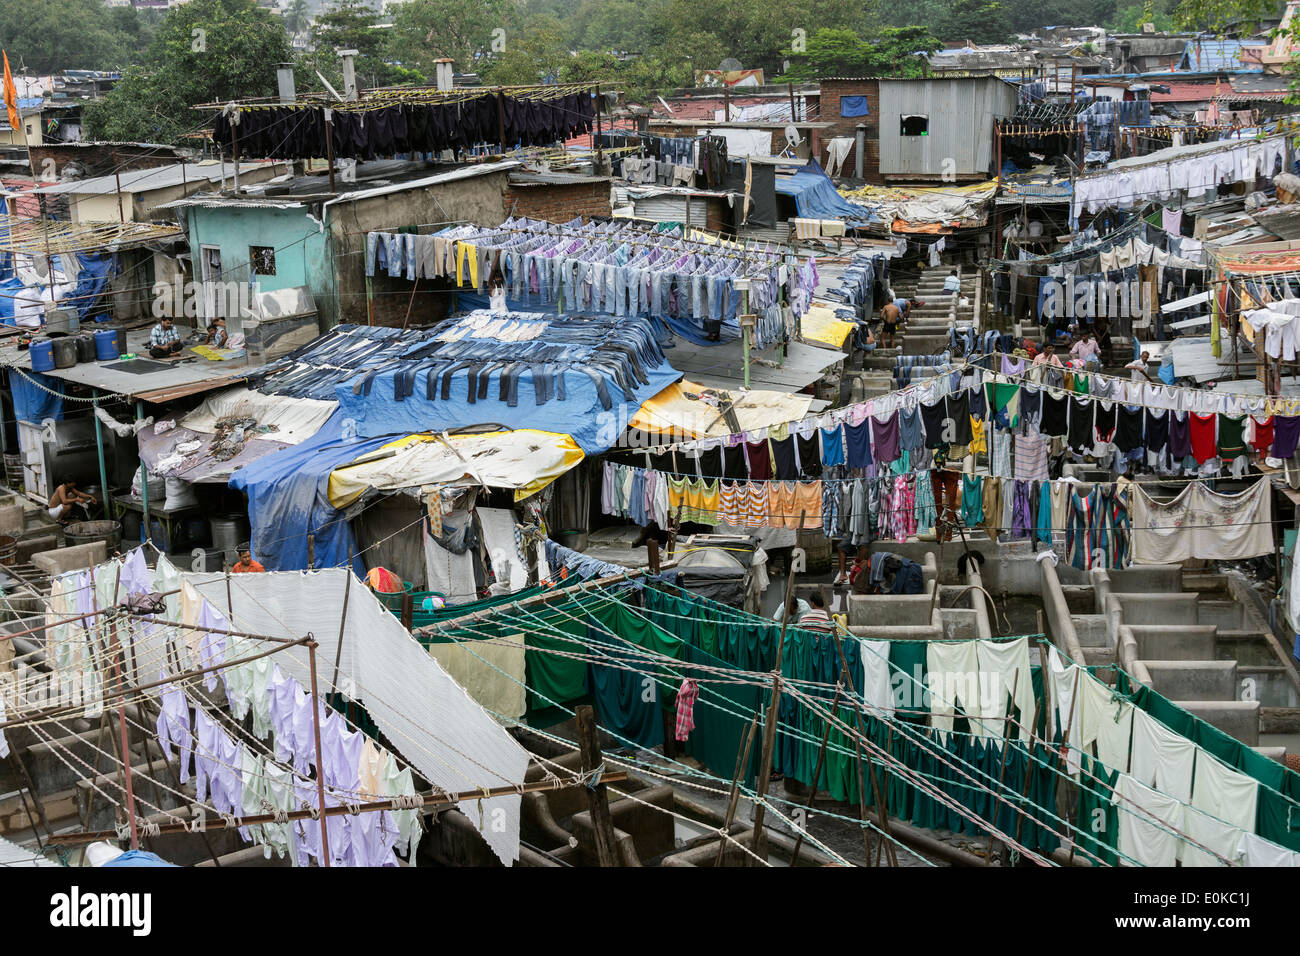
815, 197
288, 499
854, 106
580, 413
138, 858
92, 280
31, 402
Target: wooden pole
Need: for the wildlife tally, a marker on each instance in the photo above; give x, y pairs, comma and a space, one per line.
881, 812
126, 749
437, 799
320, 763
329, 145
597, 792
793, 117
343, 623
769, 724
742, 761
501, 120
600, 150
1002, 768
817, 774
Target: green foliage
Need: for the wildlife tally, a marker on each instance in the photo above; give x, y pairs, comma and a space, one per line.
427, 30
353, 25
1129, 18
841, 52
979, 21
48, 36
204, 50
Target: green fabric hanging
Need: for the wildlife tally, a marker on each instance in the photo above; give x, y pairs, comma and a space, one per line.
1098, 821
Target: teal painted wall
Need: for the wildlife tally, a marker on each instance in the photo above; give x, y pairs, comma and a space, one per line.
301, 247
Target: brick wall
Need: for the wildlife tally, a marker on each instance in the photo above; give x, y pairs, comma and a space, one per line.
558, 202
831, 91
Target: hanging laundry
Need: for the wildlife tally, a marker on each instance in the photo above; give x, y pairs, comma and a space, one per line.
687, 694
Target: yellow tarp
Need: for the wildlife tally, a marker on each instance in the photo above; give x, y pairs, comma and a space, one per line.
524, 459
674, 414
971, 191
819, 324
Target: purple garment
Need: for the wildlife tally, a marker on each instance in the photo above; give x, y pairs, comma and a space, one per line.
212, 647
1286, 431
216, 764
1022, 520
285, 692
340, 751
174, 726
1180, 436
884, 439
135, 574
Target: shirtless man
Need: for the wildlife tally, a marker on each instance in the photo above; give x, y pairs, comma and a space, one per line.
893, 317
63, 499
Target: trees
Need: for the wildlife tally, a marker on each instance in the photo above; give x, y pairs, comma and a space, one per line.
426, 30
979, 21
535, 54
204, 50
354, 25
47, 36
296, 17
840, 52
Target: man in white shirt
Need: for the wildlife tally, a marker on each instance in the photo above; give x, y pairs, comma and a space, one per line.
1138, 368
952, 284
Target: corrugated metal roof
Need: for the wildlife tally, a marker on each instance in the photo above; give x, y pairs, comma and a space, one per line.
1222, 53
466, 172
1187, 92
146, 180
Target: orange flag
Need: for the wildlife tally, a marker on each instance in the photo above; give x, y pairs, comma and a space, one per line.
11, 97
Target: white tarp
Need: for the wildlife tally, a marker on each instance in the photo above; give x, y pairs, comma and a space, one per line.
746, 142
430, 720
1200, 523
291, 420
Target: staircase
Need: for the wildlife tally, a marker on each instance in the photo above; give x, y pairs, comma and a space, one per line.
927, 327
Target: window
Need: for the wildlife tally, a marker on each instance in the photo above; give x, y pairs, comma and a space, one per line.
262, 260
914, 125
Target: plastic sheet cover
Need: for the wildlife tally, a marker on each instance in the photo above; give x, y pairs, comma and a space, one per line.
815, 196
288, 499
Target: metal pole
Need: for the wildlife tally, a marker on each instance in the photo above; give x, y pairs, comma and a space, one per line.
769, 724
320, 764
144, 480
126, 749
106, 501
329, 145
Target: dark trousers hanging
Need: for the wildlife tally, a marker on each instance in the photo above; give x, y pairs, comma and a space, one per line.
947, 502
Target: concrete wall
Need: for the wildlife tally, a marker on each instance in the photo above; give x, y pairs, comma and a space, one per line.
480, 200
1057, 612
301, 247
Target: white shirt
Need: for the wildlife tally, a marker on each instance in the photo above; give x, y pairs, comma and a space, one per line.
952, 284
1138, 370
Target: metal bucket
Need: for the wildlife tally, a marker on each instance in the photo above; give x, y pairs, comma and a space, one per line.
14, 470
229, 532
86, 532
8, 550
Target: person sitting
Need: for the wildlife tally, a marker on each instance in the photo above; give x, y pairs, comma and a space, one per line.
1086, 352
246, 564
216, 336
164, 340
65, 497
817, 619
860, 576
952, 284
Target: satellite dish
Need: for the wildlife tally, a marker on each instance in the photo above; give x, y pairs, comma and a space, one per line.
729, 64
792, 137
